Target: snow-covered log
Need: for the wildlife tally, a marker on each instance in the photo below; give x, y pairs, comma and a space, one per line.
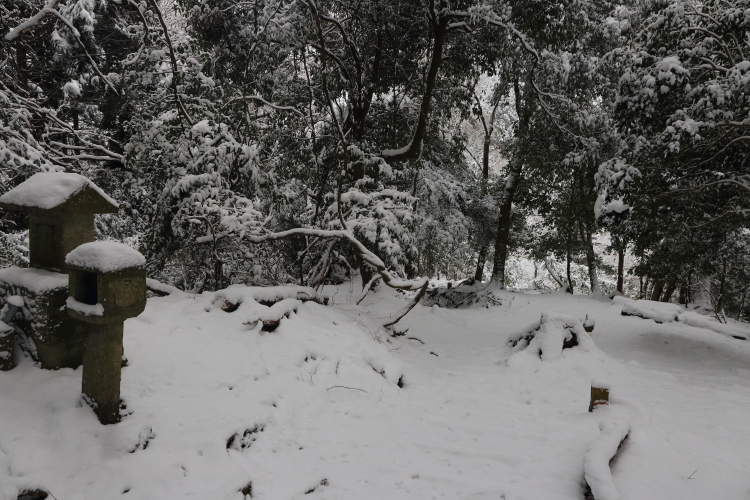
614, 427
660, 312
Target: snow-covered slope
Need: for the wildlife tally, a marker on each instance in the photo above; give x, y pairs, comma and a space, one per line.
328, 406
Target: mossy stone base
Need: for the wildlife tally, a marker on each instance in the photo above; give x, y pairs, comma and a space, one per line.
55, 339
102, 361
7, 347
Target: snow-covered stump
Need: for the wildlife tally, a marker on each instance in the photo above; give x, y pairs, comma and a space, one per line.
107, 286
599, 393
7, 347
52, 338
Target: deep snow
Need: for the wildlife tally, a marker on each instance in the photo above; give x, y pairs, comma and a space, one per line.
315, 406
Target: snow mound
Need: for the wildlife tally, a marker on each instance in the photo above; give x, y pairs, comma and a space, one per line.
660, 312
46, 190
33, 279
105, 257
614, 427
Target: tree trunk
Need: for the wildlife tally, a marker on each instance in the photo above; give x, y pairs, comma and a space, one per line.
620, 268
658, 289
683, 294
23, 70
587, 238
551, 270
567, 259
504, 223
671, 287
481, 260
720, 299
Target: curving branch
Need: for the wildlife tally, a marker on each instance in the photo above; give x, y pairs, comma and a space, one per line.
173, 60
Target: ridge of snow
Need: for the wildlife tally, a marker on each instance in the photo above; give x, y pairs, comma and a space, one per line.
160, 287
33, 279
105, 256
47, 190
85, 309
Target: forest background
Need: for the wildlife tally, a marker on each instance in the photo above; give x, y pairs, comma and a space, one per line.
592, 146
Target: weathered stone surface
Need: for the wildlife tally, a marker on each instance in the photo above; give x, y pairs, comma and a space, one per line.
122, 294
102, 361
52, 236
117, 296
53, 338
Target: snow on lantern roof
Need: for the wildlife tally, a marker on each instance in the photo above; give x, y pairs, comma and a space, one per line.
105, 257
62, 191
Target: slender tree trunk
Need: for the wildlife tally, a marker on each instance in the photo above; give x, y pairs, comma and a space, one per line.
23, 71
481, 261
671, 287
620, 268
567, 262
504, 223
588, 239
720, 299
683, 294
552, 272
658, 289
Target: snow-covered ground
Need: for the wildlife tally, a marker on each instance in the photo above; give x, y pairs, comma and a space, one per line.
315, 409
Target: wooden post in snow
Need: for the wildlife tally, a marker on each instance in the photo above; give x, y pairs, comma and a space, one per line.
599, 393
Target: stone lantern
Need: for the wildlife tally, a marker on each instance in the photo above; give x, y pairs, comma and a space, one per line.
107, 285
61, 208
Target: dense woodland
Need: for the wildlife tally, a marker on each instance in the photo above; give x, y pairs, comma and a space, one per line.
307, 141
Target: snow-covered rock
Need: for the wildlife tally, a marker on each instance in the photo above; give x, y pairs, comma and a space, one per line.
105, 256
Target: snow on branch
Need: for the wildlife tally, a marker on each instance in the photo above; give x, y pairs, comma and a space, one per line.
33, 21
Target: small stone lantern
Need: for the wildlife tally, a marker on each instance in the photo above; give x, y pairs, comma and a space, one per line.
61, 208
107, 285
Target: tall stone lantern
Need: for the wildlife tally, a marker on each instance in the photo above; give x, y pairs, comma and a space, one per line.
61, 208
107, 285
